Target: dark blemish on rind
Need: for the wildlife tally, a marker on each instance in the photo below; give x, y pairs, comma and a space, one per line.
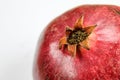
47, 78
116, 11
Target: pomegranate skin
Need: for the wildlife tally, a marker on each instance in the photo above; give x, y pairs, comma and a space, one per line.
101, 62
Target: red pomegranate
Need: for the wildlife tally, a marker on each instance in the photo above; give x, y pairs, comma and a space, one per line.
81, 44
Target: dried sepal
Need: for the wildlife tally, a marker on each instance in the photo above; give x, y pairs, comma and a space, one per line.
79, 23
72, 49
68, 30
63, 41
85, 44
89, 29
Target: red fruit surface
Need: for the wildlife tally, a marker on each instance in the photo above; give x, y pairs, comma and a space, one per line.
100, 62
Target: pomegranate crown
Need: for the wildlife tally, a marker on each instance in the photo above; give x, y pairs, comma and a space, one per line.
77, 37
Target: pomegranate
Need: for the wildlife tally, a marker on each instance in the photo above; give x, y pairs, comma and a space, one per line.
81, 44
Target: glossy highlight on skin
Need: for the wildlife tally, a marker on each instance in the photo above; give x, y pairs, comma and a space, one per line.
100, 62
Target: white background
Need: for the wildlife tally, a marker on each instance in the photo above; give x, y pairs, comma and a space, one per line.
21, 22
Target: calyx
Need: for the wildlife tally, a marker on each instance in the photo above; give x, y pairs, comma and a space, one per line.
76, 37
